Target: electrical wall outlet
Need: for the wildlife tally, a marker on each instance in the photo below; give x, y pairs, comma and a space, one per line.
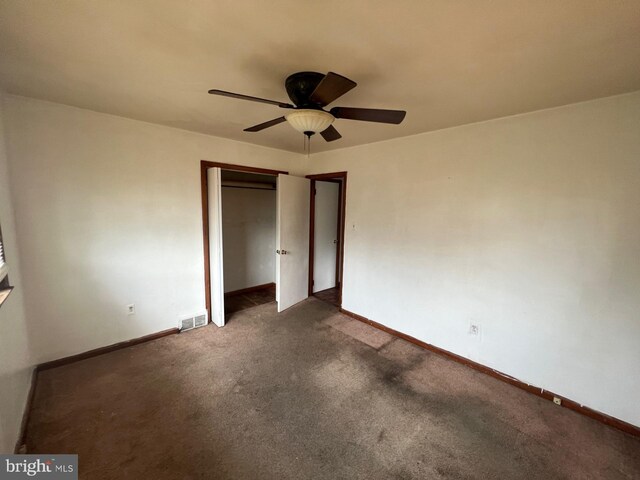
131, 309
474, 329
557, 400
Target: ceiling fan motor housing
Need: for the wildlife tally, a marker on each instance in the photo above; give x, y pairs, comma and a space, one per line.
300, 86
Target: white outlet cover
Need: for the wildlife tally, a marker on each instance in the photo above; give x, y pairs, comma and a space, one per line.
131, 309
474, 329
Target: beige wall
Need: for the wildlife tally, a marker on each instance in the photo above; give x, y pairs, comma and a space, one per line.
249, 237
527, 225
109, 214
15, 359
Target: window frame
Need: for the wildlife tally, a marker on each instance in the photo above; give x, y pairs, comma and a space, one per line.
5, 287
4, 268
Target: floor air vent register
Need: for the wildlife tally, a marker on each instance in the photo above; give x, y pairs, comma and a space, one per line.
193, 321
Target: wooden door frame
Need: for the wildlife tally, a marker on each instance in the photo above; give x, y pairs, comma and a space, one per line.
340, 177
204, 185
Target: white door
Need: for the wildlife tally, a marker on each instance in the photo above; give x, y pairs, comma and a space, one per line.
215, 246
325, 245
292, 243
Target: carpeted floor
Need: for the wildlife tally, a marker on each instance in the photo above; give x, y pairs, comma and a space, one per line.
308, 394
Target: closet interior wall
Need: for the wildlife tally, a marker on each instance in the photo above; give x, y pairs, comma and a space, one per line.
249, 229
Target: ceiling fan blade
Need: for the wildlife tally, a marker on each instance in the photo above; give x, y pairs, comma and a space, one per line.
330, 134
369, 114
330, 88
262, 126
251, 99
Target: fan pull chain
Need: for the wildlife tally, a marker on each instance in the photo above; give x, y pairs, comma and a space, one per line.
307, 144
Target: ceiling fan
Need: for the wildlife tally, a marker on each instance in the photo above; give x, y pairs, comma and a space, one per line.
310, 92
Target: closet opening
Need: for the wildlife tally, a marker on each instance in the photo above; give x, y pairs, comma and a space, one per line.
248, 239
239, 232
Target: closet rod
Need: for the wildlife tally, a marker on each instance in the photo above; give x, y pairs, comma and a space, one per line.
249, 188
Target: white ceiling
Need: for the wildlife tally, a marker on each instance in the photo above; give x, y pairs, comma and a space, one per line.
446, 62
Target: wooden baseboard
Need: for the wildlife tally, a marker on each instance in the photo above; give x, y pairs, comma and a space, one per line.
540, 392
257, 288
20, 447
102, 350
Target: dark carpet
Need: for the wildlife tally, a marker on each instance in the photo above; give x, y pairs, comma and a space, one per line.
308, 394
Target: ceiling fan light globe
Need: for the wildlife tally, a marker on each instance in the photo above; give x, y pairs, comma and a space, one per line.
308, 120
